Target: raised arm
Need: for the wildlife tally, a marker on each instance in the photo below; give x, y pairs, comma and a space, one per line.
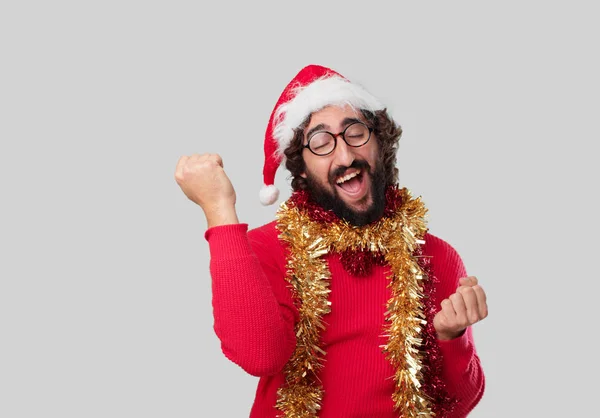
253, 318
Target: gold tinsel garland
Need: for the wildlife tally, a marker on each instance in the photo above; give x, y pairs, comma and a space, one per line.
398, 238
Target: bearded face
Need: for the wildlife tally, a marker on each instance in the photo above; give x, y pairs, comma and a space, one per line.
366, 210
343, 167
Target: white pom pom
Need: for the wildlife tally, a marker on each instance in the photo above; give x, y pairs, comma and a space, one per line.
268, 195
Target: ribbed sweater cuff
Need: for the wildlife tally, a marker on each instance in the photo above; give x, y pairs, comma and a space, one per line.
456, 353
228, 241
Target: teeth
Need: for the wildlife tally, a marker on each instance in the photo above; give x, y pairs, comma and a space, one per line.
347, 177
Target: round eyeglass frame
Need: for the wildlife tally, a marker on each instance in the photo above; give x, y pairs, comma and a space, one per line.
335, 136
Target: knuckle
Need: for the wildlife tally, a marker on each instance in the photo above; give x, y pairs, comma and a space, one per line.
465, 321
467, 291
204, 164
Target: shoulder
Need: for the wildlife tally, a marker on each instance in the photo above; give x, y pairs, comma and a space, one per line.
266, 243
435, 245
264, 234
444, 256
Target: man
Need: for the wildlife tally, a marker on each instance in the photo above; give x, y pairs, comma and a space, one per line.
345, 306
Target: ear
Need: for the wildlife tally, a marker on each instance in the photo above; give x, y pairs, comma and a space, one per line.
303, 175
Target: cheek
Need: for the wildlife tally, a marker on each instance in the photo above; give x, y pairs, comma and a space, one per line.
317, 167
319, 172
369, 155
374, 153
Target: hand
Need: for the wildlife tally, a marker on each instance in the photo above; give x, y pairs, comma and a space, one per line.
463, 308
204, 182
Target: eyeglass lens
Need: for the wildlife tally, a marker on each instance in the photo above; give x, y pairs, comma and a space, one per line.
355, 135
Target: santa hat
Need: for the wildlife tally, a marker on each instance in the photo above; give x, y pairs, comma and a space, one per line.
312, 89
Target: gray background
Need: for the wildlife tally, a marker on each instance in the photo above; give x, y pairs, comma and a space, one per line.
105, 301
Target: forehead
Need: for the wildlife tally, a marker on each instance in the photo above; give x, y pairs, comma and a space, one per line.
333, 116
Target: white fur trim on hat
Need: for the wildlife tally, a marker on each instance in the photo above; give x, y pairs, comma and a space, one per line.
268, 194
325, 91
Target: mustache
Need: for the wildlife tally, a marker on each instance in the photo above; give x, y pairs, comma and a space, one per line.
357, 164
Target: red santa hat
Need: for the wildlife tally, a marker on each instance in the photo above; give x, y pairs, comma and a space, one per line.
312, 89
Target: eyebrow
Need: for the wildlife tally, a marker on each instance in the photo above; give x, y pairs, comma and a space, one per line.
322, 126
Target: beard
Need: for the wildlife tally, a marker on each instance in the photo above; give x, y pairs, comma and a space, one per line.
330, 200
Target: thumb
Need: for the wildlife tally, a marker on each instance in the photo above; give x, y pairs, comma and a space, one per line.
468, 281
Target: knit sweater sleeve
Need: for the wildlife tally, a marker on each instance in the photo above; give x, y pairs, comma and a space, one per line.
461, 366
252, 307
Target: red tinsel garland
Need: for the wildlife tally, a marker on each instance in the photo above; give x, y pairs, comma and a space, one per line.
358, 262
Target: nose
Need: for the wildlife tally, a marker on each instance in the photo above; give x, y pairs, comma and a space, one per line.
344, 154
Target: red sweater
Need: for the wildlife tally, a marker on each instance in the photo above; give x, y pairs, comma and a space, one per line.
255, 316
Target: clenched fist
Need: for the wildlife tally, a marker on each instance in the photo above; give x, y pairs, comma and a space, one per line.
463, 308
204, 182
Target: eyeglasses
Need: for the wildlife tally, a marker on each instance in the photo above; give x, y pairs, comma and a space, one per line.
323, 143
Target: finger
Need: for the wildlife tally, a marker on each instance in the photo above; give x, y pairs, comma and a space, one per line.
179, 168
471, 304
481, 301
460, 308
448, 310
468, 281
199, 157
464, 281
461, 287
217, 158
206, 158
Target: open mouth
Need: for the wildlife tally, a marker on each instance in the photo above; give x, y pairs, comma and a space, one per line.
352, 182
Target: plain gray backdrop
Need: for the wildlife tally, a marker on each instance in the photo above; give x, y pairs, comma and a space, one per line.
105, 297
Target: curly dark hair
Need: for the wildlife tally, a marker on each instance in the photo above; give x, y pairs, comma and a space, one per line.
385, 129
